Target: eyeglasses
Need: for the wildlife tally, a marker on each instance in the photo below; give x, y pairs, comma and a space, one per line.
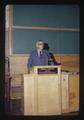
40, 43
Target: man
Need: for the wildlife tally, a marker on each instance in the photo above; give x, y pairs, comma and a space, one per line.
38, 57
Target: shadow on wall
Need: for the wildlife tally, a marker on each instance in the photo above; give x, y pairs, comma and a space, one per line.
46, 47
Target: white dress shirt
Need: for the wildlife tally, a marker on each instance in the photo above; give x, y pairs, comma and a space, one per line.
39, 51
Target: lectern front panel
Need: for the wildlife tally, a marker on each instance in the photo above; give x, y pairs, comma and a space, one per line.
73, 93
42, 92
29, 95
48, 95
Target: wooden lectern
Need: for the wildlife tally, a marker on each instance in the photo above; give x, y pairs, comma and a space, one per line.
48, 91
42, 91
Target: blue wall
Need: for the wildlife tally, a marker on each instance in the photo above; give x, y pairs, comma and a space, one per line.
60, 42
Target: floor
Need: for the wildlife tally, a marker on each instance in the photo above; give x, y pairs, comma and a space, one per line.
14, 108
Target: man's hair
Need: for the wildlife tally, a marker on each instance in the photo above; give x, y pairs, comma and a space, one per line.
40, 41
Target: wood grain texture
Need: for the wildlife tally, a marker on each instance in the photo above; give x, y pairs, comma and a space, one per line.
42, 94
18, 66
48, 95
18, 63
73, 93
29, 95
46, 28
70, 63
16, 80
65, 92
41, 88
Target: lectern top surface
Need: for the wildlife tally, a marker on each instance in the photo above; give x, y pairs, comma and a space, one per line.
54, 66
33, 75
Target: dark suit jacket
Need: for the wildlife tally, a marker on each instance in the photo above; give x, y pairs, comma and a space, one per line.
35, 60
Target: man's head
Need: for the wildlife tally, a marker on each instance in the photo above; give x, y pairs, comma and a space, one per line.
40, 44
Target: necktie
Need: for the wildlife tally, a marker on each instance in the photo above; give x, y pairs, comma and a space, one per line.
40, 53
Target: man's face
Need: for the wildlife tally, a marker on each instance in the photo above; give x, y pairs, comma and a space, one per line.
39, 45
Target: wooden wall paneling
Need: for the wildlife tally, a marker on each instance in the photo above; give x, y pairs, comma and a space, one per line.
16, 80
18, 64
57, 58
16, 86
16, 93
70, 62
